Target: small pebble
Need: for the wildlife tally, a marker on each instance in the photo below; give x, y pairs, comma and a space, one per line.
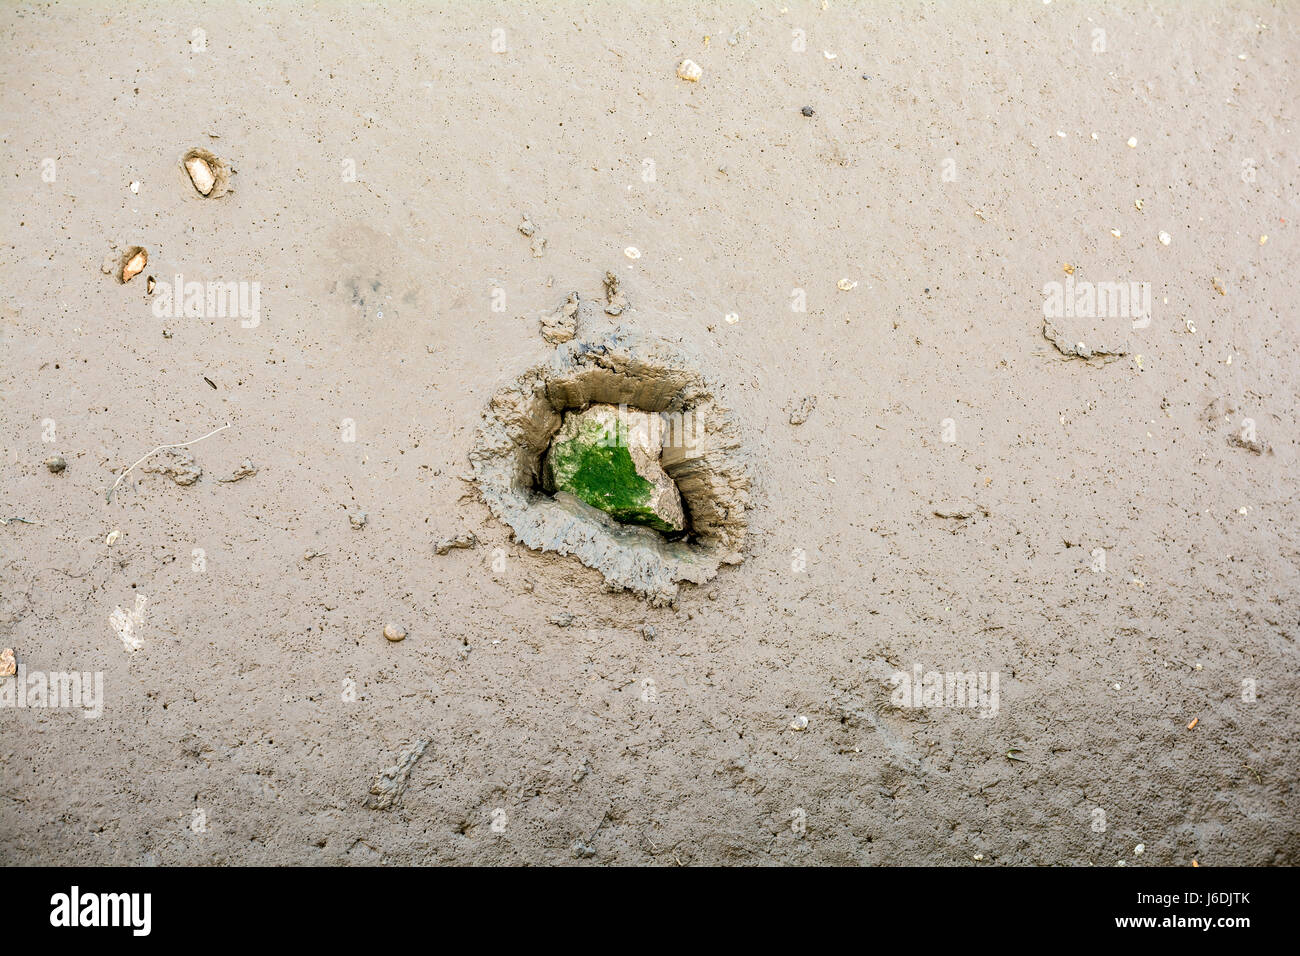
648, 633
799, 723
690, 71
1132, 142
394, 633
133, 264
200, 174
807, 111
632, 252
55, 463
8, 665
1165, 238
358, 519
1139, 849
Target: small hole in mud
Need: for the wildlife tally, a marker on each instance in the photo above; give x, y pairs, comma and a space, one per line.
616, 450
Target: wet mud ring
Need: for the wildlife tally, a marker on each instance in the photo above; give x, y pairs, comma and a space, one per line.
702, 454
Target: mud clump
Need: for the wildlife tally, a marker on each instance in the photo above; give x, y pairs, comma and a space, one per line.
615, 300
465, 540
391, 783
561, 325
802, 409
177, 465
701, 455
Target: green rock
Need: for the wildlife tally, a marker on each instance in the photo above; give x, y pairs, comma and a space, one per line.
608, 457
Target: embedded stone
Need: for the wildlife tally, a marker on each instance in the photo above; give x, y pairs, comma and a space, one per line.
609, 457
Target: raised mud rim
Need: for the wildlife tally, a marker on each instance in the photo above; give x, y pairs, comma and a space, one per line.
618, 367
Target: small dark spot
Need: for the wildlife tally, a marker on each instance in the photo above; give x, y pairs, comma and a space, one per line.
209, 381
807, 111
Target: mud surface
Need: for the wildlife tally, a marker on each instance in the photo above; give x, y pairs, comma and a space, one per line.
1117, 541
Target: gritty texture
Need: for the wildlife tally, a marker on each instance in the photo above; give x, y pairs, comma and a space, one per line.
265, 694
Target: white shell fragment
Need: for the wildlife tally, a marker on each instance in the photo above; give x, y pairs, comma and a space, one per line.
1165, 238
208, 172
690, 71
632, 252
200, 174
133, 262
846, 285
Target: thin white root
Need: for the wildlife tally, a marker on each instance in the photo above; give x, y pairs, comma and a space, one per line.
184, 444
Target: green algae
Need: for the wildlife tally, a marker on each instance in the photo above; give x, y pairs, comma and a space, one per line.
596, 466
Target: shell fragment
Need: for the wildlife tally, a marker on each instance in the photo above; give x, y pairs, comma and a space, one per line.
690, 71
200, 174
133, 262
